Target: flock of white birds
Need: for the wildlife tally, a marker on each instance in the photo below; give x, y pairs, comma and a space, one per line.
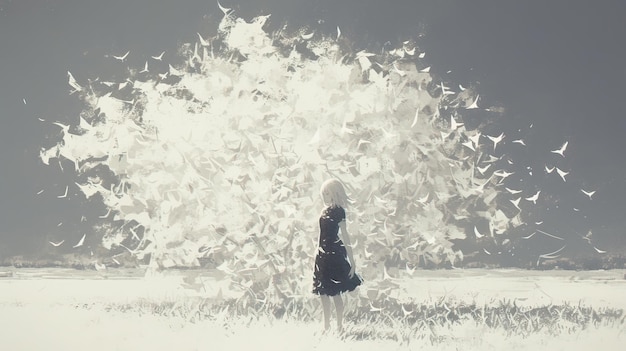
232, 145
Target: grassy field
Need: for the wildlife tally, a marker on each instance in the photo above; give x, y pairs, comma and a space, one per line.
434, 310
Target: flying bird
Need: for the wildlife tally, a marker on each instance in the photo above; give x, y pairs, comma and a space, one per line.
453, 124
145, 68
588, 193
482, 170
65, 194
477, 233
502, 173
512, 191
80, 242
56, 244
203, 42
561, 173
72, 82
534, 197
470, 145
530, 236
159, 57
475, 138
516, 203
307, 36
474, 104
561, 150
598, 250
549, 169
519, 141
496, 140
106, 215
123, 57
225, 10
587, 237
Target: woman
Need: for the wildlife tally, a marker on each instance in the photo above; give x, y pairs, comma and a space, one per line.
334, 263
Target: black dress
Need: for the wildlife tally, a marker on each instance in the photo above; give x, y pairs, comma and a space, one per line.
332, 269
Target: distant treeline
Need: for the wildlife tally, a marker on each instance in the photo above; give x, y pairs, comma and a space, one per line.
590, 262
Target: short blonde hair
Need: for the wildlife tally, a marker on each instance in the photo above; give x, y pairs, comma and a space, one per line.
335, 193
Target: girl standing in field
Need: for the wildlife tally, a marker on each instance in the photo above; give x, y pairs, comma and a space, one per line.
334, 262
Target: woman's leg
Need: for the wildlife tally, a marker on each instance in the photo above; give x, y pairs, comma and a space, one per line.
339, 306
326, 309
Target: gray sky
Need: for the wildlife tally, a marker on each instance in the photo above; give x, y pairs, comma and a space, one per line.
555, 64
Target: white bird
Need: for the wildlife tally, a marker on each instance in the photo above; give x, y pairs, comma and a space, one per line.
549, 169
338, 33
487, 252
145, 68
561, 173
106, 215
482, 170
475, 139
453, 124
516, 203
203, 42
512, 191
502, 173
65, 194
598, 250
561, 150
588, 193
474, 104
587, 237
469, 145
307, 36
72, 82
56, 244
445, 135
462, 88
477, 233
123, 57
159, 57
530, 236
80, 242
496, 140
519, 141
421, 55
425, 70
225, 10
40, 191
534, 197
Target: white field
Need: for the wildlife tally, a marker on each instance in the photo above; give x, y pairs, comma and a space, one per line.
64, 309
